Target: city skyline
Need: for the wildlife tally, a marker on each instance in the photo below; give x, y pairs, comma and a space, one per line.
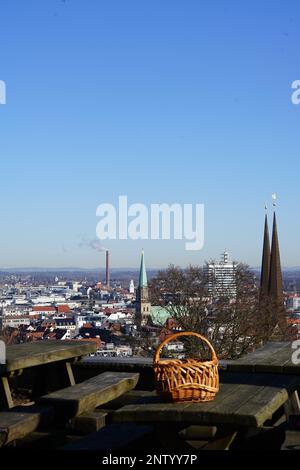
169, 104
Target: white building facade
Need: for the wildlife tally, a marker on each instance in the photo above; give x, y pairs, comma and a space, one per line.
222, 277
293, 302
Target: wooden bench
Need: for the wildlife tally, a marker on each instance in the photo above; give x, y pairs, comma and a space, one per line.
17, 424
90, 394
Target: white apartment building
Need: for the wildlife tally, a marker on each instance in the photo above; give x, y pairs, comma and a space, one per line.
131, 287
221, 277
293, 302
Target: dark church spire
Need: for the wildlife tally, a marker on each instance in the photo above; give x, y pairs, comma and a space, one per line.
271, 298
265, 266
275, 279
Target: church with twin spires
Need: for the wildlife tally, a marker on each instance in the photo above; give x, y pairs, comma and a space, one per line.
271, 282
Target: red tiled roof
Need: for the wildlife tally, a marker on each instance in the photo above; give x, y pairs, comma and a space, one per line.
38, 308
63, 309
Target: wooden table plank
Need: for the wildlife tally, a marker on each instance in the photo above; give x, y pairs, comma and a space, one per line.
221, 410
257, 357
271, 397
244, 401
279, 359
22, 356
272, 358
235, 391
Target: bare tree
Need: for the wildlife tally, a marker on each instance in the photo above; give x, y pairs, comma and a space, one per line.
233, 319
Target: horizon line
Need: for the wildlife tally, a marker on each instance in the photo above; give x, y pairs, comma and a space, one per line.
128, 268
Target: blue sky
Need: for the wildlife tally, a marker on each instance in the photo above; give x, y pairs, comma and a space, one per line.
164, 101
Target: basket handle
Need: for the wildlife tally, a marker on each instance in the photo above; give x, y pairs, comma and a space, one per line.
177, 335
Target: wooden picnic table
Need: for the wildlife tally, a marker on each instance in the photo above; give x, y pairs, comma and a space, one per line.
274, 357
244, 401
52, 362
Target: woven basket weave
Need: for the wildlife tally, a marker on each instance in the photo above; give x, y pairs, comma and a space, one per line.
189, 379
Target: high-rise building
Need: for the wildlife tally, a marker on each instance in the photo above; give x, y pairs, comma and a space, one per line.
293, 302
143, 305
221, 277
131, 287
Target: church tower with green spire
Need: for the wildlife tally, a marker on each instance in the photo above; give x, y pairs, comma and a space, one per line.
143, 305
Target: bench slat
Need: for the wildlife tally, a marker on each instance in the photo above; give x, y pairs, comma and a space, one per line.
19, 423
90, 394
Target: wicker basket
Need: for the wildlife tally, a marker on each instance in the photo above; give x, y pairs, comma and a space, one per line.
186, 380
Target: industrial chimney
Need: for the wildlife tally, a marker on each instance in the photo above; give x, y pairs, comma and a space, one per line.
107, 270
